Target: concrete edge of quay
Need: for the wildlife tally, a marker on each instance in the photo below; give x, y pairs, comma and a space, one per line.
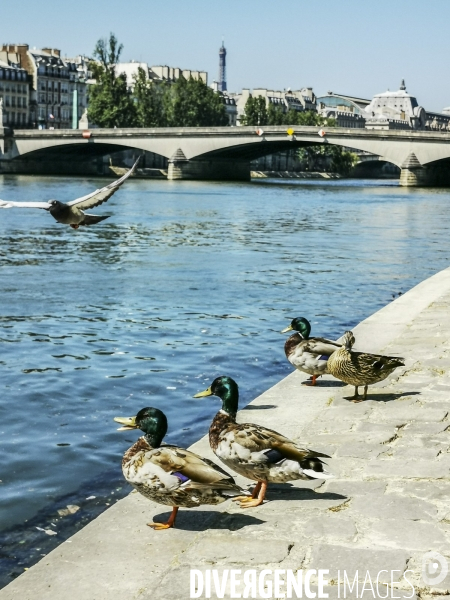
116, 556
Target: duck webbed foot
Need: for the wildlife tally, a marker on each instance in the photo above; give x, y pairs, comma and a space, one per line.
255, 501
356, 398
255, 492
170, 523
311, 381
158, 526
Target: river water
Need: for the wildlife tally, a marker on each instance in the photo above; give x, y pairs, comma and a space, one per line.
185, 281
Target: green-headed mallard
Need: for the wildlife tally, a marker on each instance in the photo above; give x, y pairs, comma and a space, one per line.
255, 451
306, 354
360, 368
170, 475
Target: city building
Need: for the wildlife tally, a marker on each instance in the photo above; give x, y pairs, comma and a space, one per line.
348, 111
298, 100
50, 104
56, 87
388, 110
80, 77
395, 110
158, 73
171, 74
130, 70
14, 92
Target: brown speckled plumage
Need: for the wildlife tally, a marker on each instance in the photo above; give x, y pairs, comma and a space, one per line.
262, 454
361, 368
176, 477
309, 355
218, 425
291, 343
140, 445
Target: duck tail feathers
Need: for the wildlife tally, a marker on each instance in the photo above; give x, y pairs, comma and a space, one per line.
234, 491
92, 219
318, 475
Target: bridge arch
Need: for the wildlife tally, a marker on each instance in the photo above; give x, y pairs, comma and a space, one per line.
234, 145
82, 158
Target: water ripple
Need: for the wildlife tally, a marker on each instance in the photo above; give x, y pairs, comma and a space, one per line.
181, 284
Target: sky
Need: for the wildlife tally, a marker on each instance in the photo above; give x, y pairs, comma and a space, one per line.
355, 47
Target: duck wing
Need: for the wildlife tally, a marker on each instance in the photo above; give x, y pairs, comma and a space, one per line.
8, 204
191, 466
377, 362
260, 439
320, 346
102, 194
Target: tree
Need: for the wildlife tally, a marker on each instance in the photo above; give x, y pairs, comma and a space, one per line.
255, 111
275, 115
315, 157
110, 101
149, 101
191, 103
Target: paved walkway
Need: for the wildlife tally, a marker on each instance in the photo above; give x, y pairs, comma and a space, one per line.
387, 506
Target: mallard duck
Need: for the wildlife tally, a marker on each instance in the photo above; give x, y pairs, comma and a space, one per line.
306, 354
360, 368
170, 475
255, 451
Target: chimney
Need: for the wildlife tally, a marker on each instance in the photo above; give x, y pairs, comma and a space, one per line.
52, 51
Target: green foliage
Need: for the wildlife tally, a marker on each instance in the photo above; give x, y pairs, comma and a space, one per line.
275, 115
185, 103
149, 100
327, 157
110, 102
191, 103
324, 156
255, 112
343, 161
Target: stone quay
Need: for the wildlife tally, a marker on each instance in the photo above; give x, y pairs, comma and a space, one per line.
385, 509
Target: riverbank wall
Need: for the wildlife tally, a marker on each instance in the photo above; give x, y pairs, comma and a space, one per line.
382, 514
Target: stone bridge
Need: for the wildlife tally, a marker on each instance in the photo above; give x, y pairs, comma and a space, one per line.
226, 152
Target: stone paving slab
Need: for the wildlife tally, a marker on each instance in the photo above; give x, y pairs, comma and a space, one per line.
386, 507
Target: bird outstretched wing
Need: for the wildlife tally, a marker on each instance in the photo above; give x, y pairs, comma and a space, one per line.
8, 204
103, 194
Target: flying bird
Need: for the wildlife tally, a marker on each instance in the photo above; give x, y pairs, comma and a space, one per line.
72, 213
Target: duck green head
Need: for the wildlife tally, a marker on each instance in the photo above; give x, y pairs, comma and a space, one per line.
227, 390
300, 324
152, 421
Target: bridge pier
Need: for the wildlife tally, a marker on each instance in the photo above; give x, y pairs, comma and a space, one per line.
218, 169
412, 173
